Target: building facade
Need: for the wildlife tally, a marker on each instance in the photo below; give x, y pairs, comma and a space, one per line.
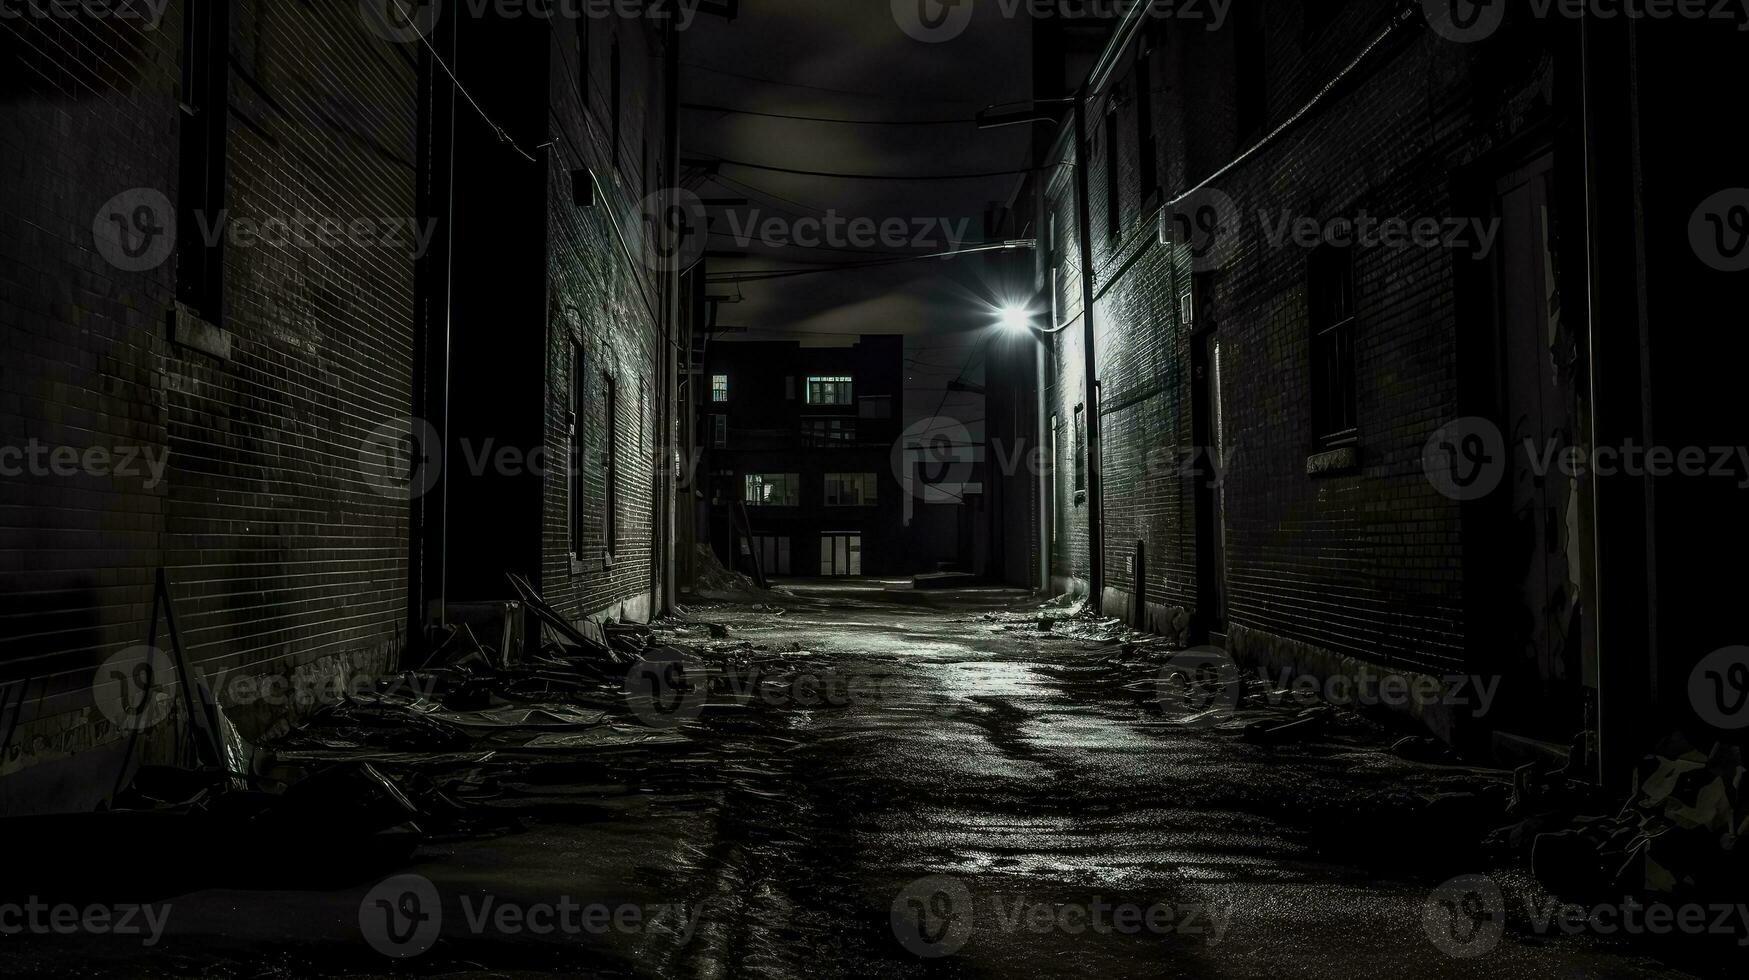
803, 439
1310, 280
267, 338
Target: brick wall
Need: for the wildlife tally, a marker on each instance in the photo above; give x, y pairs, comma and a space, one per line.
605, 290
279, 552
1367, 561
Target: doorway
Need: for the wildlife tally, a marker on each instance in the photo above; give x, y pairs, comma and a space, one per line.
1210, 466
840, 554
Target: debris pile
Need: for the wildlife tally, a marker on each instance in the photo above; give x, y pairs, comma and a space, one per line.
1680, 836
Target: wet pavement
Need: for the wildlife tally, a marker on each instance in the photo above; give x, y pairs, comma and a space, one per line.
888, 783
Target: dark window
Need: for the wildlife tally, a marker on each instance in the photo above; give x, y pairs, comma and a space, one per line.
719, 432
613, 94
201, 185
610, 467
1113, 198
1080, 448
1330, 298
1147, 148
1250, 71
575, 470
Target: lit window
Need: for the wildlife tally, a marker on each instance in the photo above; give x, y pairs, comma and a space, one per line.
831, 391
850, 489
773, 489
719, 387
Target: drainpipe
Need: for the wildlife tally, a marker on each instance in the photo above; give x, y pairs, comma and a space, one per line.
1090, 367
671, 273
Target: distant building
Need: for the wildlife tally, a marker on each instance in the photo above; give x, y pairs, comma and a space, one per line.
803, 438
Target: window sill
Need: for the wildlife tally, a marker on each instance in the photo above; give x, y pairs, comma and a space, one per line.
607, 562
1333, 462
577, 566
188, 329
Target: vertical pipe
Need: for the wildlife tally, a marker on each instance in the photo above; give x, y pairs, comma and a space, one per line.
670, 328
1090, 369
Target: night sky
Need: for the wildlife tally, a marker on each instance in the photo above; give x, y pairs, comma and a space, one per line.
853, 61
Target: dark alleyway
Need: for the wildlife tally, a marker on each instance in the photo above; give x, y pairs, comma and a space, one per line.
910, 784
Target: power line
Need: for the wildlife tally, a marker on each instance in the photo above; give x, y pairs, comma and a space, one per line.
823, 88
851, 176
705, 107
756, 275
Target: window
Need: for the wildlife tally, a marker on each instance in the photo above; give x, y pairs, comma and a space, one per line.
1113, 199
1330, 298
613, 93
840, 554
1080, 435
610, 474
201, 193
1147, 150
719, 432
574, 471
719, 387
828, 432
850, 489
773, 490
830, 391
875, 407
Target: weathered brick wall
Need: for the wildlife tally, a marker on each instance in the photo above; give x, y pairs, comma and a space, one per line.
1366, 562
608, 296
279, 552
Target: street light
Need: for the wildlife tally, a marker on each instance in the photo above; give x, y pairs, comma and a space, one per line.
1015, 319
